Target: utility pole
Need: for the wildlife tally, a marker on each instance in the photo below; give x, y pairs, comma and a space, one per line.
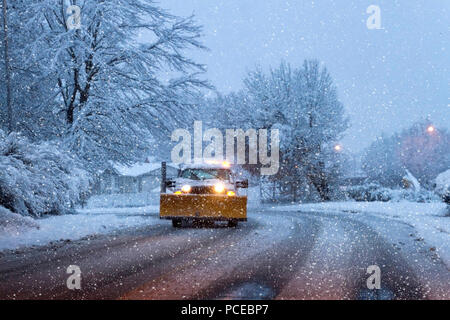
7, 69
163, 177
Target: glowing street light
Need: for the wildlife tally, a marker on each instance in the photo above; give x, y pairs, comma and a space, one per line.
337, 148
431, 129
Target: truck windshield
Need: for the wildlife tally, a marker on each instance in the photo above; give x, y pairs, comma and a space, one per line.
203, 174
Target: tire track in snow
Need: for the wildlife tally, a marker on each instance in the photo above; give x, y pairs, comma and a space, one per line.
216, 272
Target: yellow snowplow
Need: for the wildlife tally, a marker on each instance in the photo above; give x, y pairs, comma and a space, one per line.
204, 192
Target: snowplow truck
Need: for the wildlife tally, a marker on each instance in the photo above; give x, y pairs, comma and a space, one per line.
204, 192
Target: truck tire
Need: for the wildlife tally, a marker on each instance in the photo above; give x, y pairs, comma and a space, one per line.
232, 224
176, 223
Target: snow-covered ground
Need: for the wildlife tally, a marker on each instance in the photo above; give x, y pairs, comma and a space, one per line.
103, 214
124, 200
25, 232
428, 219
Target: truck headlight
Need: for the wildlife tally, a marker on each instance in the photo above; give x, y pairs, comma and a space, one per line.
186, 188
219, 188
231, 193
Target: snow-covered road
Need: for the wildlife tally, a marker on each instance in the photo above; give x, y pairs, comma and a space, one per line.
279, 253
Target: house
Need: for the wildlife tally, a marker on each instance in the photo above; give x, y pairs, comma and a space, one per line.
139, 178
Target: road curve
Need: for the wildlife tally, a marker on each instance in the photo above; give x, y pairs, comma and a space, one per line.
275, 255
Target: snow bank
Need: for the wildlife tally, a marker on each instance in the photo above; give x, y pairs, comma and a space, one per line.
388, 208
31, 232
375, 192
123, 200
11, 223
151, 210
427, 218
130, 200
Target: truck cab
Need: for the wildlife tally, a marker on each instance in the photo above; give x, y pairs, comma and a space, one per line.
204, 192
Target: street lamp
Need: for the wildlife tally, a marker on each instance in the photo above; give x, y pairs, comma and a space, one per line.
431, 129
338, 148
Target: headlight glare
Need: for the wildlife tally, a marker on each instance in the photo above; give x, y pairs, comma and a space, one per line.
186, 188
219, 188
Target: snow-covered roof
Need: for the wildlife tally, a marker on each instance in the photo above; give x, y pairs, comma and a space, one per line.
415, 183
139, 169
142, 168
206, 165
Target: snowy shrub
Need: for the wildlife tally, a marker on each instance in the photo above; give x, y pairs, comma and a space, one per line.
442, 185
375, 192
422, 196
369, 192
38, 179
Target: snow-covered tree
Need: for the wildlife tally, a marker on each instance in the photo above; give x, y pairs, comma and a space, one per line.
107, 92
422, 149
302, 103
380, 163
32, 99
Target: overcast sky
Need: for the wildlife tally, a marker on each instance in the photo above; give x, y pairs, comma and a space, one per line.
386, 78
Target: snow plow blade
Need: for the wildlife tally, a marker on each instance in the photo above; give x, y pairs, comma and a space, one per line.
215, 207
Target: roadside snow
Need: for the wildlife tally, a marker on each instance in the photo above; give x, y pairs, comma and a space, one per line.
123, 200
427, 218
145, 210
11, 222
88, 222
